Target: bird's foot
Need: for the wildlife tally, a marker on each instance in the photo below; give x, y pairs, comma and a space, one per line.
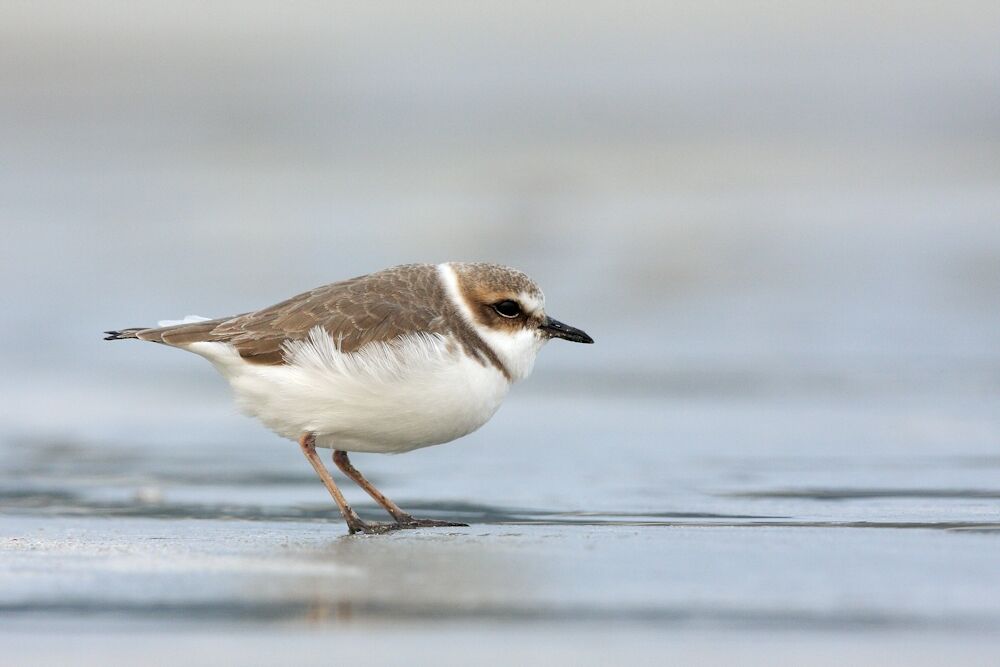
410, 522
371, 528
403, 523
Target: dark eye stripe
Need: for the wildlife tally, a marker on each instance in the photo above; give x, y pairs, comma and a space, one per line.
507, 308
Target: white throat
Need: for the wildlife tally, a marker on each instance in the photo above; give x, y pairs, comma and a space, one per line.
517, 351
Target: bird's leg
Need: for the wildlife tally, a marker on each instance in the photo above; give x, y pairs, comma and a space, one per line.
354, 523
403, 519
345, 465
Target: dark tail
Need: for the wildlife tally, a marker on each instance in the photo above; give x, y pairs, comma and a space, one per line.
124, 334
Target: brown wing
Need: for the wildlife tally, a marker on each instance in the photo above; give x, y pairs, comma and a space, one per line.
377, 307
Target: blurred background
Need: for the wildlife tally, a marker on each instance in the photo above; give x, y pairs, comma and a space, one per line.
780, 221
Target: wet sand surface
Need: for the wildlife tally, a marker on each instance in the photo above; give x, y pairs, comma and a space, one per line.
735, 525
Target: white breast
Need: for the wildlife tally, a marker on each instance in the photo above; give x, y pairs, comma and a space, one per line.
387, 397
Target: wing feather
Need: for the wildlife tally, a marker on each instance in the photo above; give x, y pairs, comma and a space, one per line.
379, 307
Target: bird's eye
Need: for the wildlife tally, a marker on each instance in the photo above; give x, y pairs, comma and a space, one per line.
507, 308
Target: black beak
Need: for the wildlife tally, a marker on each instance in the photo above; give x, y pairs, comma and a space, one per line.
556, 329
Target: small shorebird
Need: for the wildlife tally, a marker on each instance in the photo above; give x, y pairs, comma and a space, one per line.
408, 357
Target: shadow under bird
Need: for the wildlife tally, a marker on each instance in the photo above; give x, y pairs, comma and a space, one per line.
407, 357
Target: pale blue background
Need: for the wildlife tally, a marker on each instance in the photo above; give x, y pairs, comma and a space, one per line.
780, 221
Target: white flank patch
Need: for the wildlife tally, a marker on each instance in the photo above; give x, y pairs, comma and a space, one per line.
377, 362
392, 397
188, 319
516, 350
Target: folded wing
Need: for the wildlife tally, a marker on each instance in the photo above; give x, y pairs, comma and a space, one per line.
378, 307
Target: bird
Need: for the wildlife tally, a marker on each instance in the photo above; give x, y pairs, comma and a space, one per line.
403, 358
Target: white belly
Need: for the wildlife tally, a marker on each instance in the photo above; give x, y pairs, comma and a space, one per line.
394, 397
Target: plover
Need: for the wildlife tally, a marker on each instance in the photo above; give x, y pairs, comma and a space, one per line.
407, 357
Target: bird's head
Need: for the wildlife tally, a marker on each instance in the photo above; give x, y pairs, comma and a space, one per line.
507, 310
